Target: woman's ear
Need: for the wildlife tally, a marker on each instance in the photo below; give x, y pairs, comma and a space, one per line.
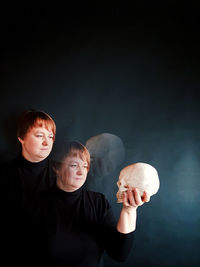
20, 140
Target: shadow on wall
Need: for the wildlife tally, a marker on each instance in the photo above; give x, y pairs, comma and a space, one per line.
107, 153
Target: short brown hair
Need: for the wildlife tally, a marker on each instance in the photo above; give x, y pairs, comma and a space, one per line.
31, 118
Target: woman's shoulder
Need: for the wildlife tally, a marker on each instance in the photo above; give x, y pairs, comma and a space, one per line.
97, 198
95, 194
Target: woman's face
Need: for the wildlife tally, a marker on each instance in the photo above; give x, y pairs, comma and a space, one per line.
37, 144
72, 174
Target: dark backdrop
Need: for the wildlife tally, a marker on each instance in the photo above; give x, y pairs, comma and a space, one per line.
128, 71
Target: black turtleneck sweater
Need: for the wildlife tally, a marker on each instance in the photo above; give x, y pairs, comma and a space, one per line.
42, 224
21, 181
75, 228
24, 179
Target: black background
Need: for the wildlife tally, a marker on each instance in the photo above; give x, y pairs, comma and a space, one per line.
132, 71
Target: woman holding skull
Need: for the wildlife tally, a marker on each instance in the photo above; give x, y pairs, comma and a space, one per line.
74, 226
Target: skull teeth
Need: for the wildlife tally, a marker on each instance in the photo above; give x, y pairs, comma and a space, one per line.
120, 196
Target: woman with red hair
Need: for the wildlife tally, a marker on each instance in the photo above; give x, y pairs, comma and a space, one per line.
73, 226
23, 178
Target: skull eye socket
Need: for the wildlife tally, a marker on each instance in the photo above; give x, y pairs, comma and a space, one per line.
119, 183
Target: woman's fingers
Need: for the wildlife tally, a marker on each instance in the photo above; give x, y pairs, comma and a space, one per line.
129, 200
137, 197
133, 198
145, 197
125, 199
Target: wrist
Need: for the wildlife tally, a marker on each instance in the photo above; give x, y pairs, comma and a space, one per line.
129, 209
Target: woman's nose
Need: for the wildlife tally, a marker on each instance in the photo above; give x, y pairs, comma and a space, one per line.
79, 170
45, 142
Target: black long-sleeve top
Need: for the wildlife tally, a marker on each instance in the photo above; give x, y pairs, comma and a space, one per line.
42, 224
22, 179
20, 182
75, 228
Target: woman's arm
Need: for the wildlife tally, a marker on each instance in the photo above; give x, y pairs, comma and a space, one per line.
128, 215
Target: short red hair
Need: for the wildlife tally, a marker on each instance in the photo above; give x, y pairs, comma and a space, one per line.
33, 118
75, 149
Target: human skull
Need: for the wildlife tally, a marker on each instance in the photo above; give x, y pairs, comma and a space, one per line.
139, 175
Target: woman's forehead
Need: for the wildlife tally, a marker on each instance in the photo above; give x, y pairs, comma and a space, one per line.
42, 128
75, 158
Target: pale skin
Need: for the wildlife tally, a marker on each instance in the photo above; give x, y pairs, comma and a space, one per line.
73, 175
37, 144
131, 201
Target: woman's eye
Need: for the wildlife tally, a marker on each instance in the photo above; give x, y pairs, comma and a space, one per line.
38, 135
